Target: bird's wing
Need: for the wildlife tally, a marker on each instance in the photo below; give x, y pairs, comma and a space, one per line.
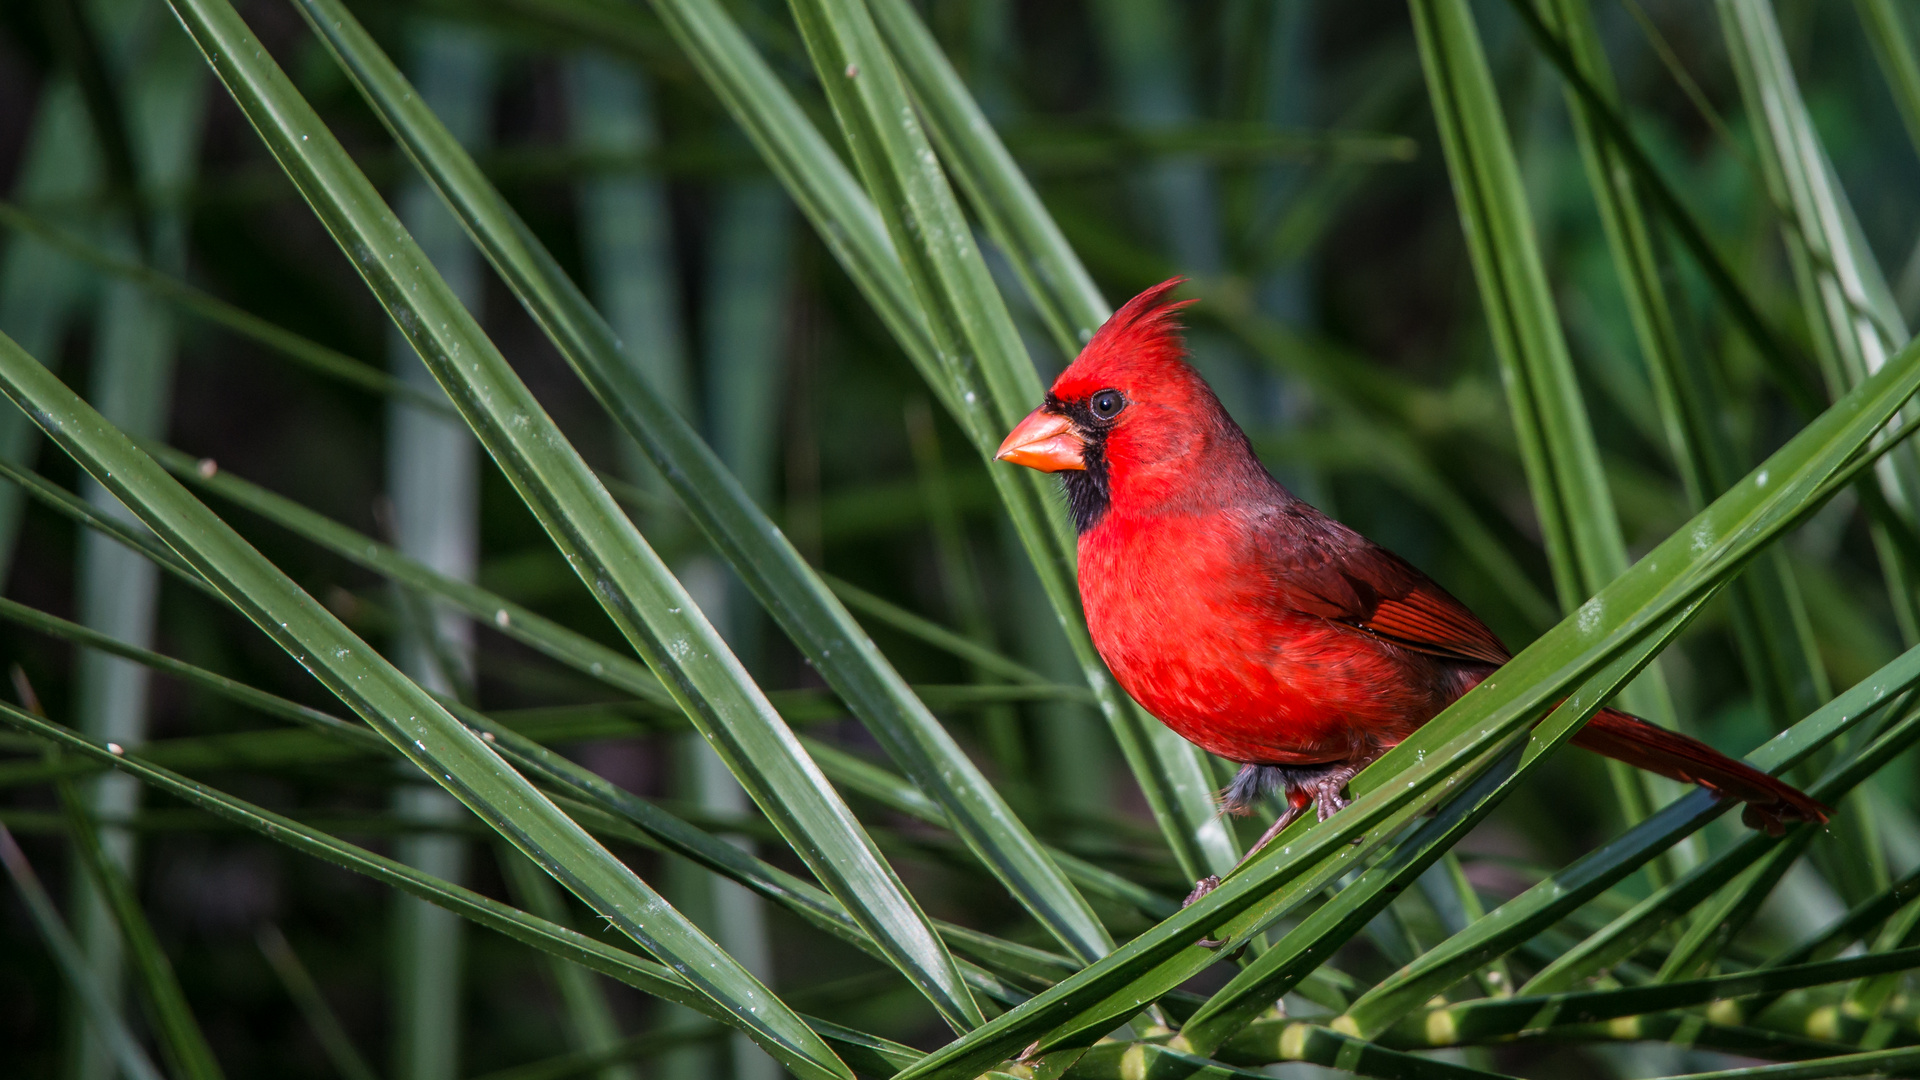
1317, 566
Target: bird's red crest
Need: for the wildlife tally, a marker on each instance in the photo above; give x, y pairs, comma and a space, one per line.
1138, 343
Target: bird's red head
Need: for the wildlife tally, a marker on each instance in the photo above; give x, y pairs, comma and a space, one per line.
1128, 412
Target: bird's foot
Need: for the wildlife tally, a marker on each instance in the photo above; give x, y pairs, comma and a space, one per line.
1201, 888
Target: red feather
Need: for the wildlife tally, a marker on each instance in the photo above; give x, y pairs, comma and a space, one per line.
1261, 629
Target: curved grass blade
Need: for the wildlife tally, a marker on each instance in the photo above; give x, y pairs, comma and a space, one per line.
1769, 620
107, 1021
749, 540
1171, 774
1887, 32
643, 975
1848, 308
1873, 1063
933, 633
1625, 934
1055, 279
1571, 494
404, 714
327, 1029
182, 1042
1480, 1021
1783, 361
516, 621
1552, 899
301, 350
1691, 563
1337, 1050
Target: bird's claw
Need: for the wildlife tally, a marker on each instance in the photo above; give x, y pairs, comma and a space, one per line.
1201, 888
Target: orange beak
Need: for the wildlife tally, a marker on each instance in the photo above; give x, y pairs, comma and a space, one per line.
1044, 441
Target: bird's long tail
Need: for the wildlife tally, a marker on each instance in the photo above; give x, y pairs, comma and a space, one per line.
1771, 804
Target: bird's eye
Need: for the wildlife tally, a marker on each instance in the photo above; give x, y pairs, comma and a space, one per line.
1107, 404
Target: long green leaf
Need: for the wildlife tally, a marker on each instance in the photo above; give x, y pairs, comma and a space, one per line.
107, 1021
1054, 276
1770, 623
403, 713
1570, 490
756, 549
1560, 894
1783, 361
1170, 772
310, 354
182, 1042
1479, 1021
625, 575
659, 981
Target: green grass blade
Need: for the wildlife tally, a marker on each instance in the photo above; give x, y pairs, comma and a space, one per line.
589, 1017
1783, 360
259, 700
398, 709
1769, 620
1482, 1020
668, 983
182, 1043
1887, 31
1337, 1050
107, 1022
759, 553
1873, 1063
1570, 490
1054, 277
1625, 934
1169, 771
899, 618
516, 621
1559, 895
304, 351
327, 1029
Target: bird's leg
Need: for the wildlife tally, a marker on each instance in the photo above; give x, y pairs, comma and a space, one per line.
1321, 787
1297, 803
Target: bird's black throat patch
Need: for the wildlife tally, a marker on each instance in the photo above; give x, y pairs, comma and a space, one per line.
1089, 491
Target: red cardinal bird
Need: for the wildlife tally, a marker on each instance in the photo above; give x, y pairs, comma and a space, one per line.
1252, 624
